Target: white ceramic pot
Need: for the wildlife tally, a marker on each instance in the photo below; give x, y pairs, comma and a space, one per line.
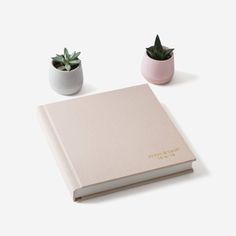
66, 82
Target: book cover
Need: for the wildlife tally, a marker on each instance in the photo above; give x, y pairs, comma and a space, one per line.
110, 136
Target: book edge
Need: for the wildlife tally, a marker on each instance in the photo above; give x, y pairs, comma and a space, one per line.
138, 173
138, 184
59, 154
97, 93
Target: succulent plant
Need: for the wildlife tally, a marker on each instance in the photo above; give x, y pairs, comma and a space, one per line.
158, 52
66, 61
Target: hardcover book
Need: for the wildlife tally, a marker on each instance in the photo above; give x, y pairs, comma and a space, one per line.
114, 140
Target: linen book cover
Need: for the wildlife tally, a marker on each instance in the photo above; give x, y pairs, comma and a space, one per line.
113, 139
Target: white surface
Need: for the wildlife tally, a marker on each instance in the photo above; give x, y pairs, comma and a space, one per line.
112, 36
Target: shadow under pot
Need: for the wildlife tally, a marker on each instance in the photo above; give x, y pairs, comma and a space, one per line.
66, 82
157, 71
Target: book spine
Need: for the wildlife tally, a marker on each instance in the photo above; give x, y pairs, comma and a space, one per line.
59, 152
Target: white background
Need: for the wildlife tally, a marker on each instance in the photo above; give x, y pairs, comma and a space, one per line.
112, 36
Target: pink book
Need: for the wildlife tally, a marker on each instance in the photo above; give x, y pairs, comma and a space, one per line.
114, 140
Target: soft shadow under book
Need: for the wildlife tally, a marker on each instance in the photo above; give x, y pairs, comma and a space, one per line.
114, 140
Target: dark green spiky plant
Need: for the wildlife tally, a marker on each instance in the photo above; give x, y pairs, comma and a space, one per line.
158, 52
66, 61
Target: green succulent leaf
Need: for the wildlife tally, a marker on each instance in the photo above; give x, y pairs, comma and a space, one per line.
74, 55
150, 55
68, 67
77, 54
61, 68
157, 51
160, 55
150, 51
74, 62
150, 48
66, 62
168, 52
66, 54
58, 59
157, 43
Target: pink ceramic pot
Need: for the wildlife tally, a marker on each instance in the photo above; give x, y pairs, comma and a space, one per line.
157, 72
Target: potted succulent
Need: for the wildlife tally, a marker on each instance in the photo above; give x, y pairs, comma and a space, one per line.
66, 75
158, 63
